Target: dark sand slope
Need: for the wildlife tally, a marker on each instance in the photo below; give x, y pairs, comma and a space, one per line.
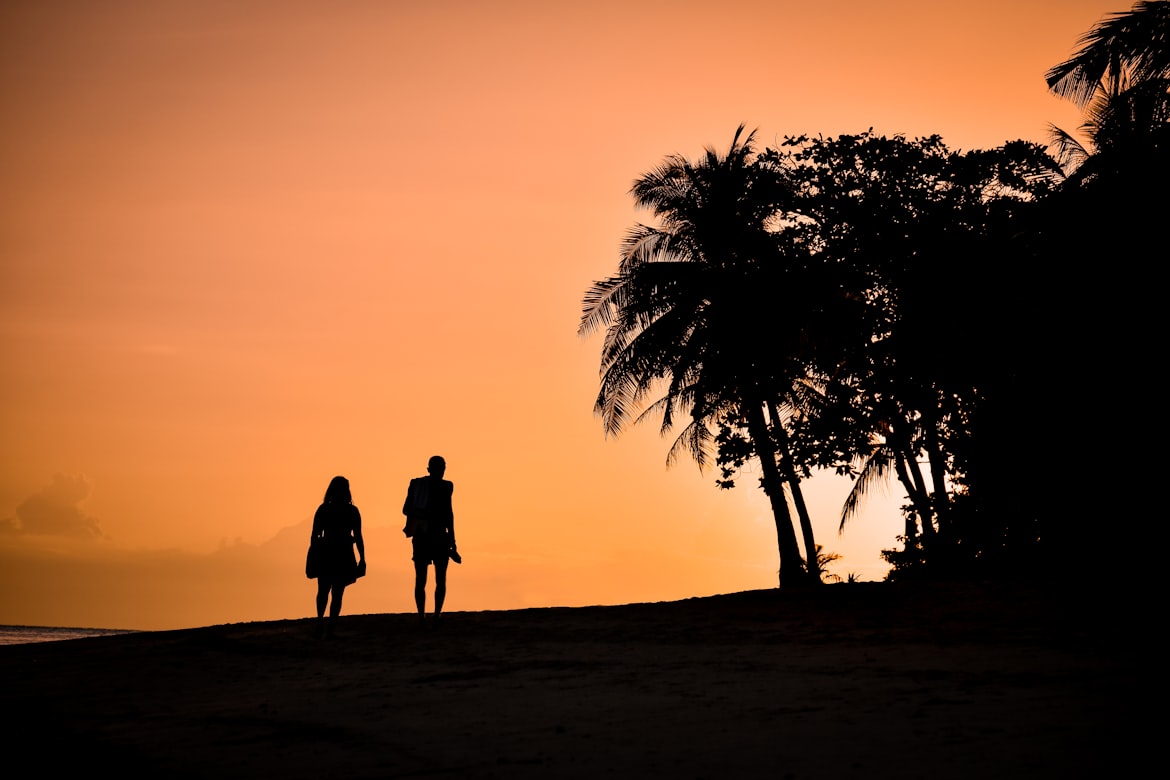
866, 681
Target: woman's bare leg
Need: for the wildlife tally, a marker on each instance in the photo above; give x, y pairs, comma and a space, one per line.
334, 608
322, 599
322, 596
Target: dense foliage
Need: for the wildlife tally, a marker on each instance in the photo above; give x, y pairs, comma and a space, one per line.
885, 306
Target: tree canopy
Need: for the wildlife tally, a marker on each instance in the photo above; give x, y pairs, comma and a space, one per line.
887, 306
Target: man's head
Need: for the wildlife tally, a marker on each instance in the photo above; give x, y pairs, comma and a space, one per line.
436, 466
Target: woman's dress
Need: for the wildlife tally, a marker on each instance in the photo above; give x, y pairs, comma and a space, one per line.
336, 527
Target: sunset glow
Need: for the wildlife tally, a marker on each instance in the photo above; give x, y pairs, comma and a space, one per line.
245, 247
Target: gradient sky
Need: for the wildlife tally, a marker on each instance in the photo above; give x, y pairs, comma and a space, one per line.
246, 246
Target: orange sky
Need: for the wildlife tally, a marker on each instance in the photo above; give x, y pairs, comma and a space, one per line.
246, 246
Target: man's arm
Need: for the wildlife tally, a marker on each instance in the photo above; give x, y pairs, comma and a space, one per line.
406, 503
451, 513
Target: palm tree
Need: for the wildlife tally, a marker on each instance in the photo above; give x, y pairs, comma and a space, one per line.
892, 450
1107, 220
1121, 79
688, 313
1126, 48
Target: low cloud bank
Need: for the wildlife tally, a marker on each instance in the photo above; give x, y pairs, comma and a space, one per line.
56, 511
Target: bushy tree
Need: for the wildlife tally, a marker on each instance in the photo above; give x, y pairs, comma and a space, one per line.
885, 306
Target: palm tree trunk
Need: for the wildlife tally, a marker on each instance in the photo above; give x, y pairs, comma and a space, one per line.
810, 546
792, 571
911, 479
937, 460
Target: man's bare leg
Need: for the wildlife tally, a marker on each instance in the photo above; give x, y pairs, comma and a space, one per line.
420, 590
440, 586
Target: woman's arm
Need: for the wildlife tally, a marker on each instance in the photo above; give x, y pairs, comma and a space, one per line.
316, 524
357, 535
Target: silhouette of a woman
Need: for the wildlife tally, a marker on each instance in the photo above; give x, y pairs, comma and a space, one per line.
337, 528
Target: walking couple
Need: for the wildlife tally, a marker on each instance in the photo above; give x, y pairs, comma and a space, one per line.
337, 530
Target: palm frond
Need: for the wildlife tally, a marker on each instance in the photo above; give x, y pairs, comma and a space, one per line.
875, 473
1124, 48
1068, 151
599, 304
696, 440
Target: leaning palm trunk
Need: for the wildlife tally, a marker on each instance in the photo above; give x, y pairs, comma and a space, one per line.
937, 460
912, 480
792, 569
789, 467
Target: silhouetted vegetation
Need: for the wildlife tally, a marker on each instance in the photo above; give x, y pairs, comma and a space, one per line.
883, 306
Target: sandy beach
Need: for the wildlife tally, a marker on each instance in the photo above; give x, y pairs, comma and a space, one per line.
848, 681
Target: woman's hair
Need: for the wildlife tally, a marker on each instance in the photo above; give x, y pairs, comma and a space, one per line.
338, 491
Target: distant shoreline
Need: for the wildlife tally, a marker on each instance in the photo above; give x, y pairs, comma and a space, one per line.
25, 635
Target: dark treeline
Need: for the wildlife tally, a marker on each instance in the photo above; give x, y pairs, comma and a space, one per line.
887, 307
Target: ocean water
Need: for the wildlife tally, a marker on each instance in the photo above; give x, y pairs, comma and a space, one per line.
22, 635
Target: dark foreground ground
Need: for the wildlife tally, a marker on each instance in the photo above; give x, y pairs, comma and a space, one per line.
852, 681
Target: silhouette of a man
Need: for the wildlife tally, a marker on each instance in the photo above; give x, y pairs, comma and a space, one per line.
430, 523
